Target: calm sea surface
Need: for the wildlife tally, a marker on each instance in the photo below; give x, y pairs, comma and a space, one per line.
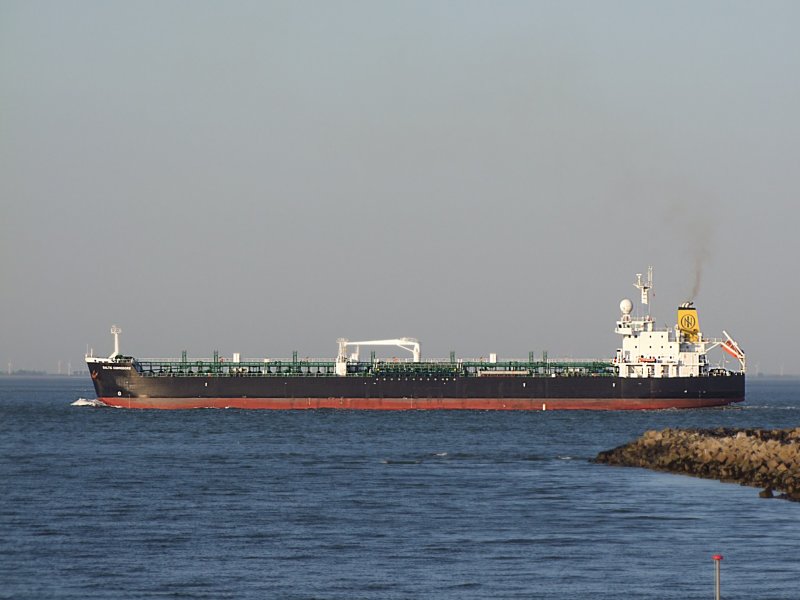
105, 503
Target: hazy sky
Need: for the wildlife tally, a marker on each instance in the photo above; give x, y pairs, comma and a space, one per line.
264, 177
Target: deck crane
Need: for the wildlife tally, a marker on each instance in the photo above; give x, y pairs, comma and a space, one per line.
408, 344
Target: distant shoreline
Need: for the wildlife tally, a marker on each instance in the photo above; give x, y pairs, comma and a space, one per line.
34, 375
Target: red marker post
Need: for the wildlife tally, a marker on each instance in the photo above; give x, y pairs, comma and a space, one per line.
717, 559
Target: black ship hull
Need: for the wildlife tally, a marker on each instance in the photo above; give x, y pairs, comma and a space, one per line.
120, 384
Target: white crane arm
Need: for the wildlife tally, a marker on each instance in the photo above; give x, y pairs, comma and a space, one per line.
408, 344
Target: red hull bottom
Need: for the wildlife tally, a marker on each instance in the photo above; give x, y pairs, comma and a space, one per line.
420, 403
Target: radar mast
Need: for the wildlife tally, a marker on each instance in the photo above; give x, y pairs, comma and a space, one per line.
645, 286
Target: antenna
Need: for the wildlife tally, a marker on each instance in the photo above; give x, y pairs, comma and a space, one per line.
645, 286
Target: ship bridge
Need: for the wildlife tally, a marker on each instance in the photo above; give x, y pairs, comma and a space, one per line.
681, 351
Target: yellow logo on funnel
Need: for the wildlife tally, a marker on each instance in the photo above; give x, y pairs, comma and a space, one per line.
687, 322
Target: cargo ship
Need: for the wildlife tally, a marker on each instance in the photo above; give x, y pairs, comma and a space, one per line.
652, 369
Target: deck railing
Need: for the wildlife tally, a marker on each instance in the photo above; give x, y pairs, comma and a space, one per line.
382, 368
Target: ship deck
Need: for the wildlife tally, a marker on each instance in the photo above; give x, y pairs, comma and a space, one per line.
219, 367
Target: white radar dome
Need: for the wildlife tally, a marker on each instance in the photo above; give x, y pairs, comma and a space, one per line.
626, 306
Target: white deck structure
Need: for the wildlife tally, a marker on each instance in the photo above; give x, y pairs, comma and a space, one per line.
677, 352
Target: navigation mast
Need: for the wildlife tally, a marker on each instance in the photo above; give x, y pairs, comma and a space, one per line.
645, 286
115, 331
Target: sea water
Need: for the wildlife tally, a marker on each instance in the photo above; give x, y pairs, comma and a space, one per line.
110, 503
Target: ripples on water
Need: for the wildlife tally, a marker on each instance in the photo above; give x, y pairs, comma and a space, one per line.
104, 503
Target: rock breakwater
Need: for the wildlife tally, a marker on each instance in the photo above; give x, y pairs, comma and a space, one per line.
765, 458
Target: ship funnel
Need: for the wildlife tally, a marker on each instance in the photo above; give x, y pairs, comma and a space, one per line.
688, 323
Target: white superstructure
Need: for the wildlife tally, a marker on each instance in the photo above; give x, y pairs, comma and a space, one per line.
677, 352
